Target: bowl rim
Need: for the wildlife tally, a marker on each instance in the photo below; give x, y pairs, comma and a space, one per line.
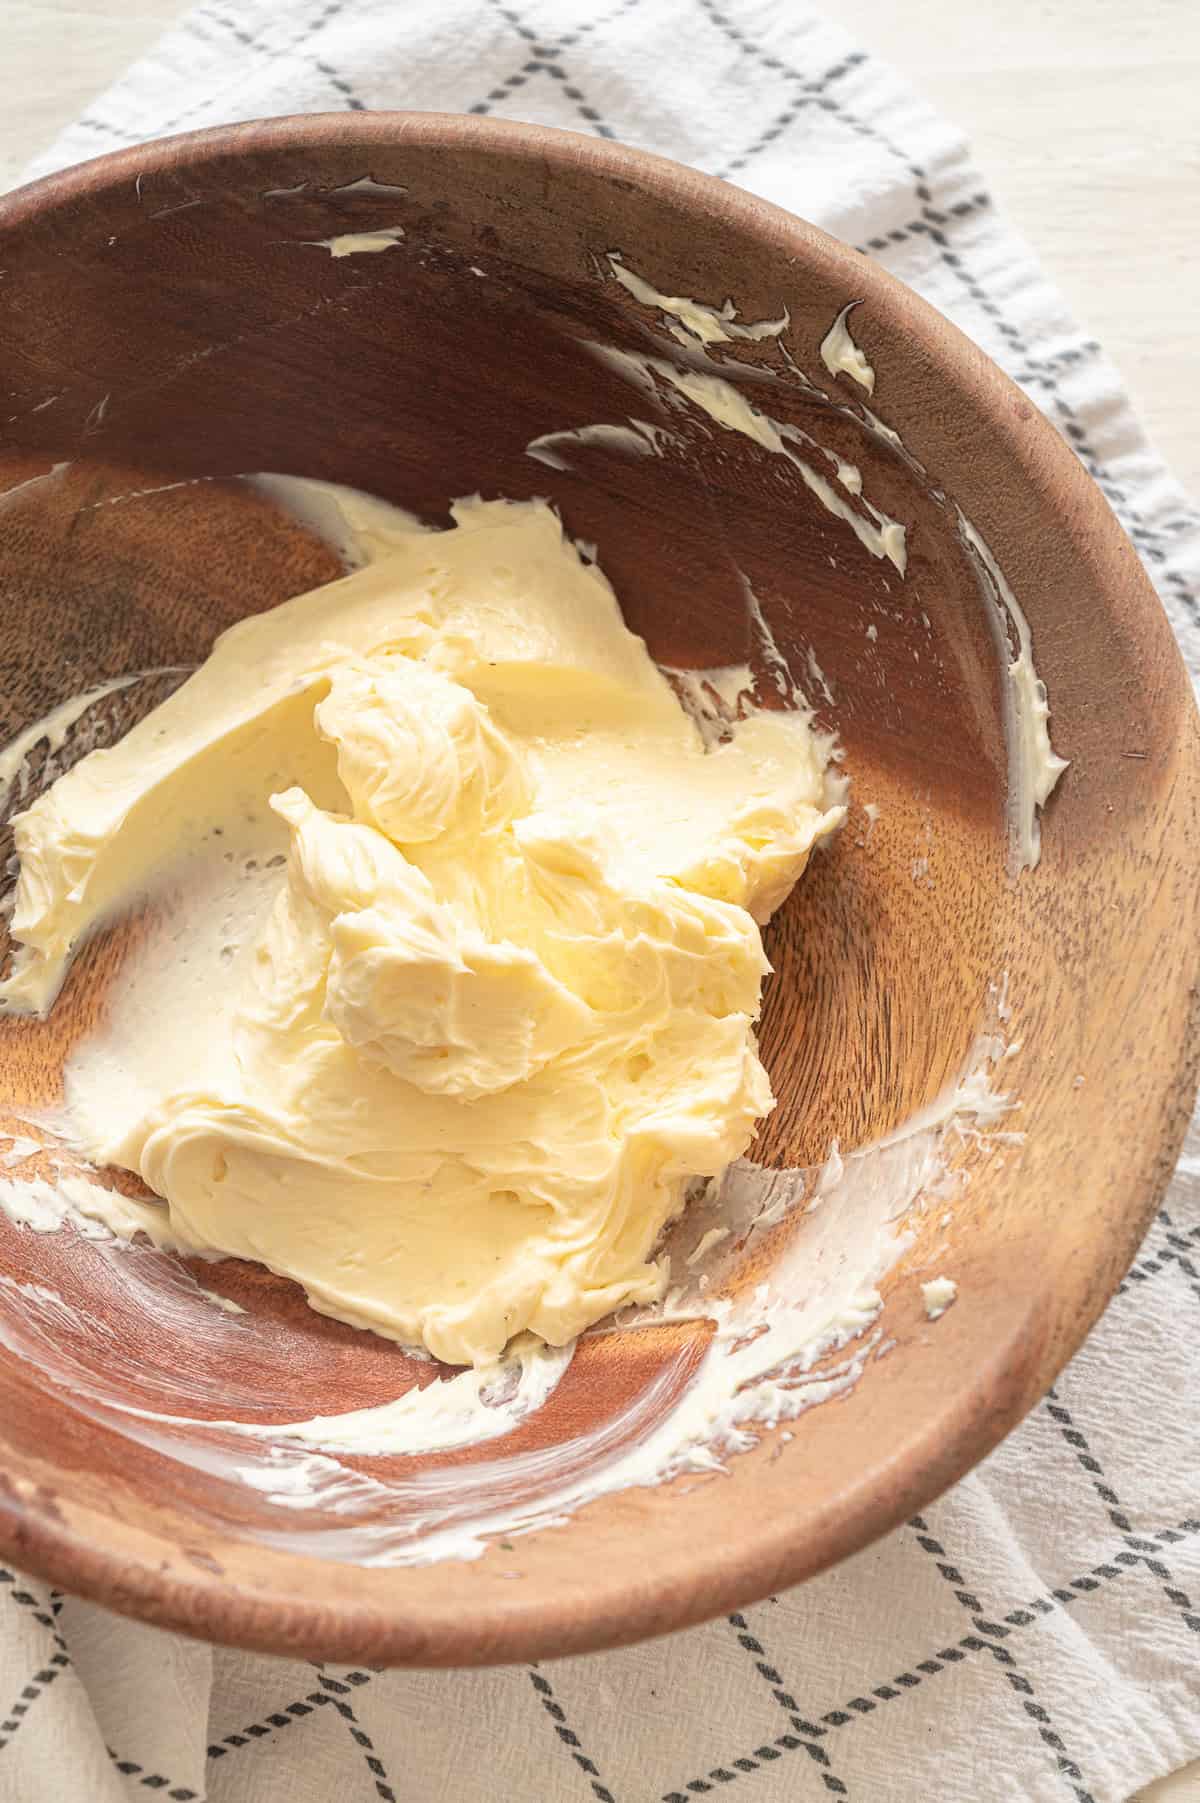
629, 1606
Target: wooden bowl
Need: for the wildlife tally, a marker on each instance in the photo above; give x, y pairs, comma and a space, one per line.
171, 314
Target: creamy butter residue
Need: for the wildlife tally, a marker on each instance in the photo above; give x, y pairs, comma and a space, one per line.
52, 730
938, 1294
728, 407
70, 1198
842, 356
701, 323
638, 439
366, 184
447, 982
466, 1409
353, 244
1034, 766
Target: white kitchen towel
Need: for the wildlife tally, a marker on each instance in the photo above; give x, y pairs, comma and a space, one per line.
1034, 1635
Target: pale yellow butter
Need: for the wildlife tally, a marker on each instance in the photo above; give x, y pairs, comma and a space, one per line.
452, 1063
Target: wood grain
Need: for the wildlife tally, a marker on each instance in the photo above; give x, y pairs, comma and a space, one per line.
1111, 88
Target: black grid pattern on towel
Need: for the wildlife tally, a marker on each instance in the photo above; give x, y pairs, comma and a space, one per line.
1002, 1637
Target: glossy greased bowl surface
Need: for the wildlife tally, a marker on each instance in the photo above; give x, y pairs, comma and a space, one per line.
172, 320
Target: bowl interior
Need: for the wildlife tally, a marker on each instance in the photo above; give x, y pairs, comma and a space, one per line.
175, 320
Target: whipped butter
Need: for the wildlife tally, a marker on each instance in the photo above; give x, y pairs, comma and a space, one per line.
447, 957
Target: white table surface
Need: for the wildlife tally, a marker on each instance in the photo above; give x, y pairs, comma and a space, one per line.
1107, 89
